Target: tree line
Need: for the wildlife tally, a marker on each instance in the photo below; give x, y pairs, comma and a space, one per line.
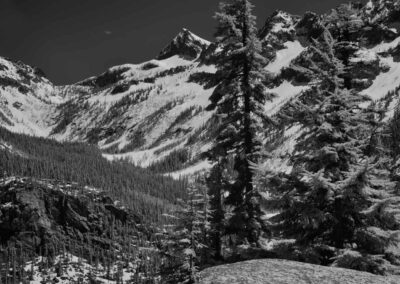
148, 193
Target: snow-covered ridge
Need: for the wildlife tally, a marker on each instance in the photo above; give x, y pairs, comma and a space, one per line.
192, 36
380, 10
27, 99
279, 22
146, 112
185, 44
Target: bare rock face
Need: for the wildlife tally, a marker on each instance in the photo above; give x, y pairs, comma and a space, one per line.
363, 73
396, 54
272, 271
309, 26
39, 214
185, 44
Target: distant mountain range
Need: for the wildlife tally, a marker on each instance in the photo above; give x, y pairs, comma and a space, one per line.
151, 111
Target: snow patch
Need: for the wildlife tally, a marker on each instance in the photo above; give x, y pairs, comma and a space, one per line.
284, 93
196, 37
76, 270
385, 82
199, 167
386, 46
364, 55
285, 56
390, 110
280, 158
145, 158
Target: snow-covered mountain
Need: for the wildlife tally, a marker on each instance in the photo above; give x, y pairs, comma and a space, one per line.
134, 110
147, 112
27, 98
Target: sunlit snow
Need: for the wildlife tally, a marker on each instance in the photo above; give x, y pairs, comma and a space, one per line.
285, 56
386, 81
284, 92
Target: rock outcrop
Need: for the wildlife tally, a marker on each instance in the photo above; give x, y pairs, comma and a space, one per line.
273, 271
185, 44
42, 214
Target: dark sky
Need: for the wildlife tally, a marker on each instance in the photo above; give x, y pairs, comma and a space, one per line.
74, 39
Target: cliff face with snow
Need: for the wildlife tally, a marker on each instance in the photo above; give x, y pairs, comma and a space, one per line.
145, 112
27, 98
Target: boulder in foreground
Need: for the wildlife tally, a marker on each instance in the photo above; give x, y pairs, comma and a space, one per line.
274, 271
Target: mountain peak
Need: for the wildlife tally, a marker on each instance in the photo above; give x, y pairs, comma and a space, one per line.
279, 22
383, 11
185, 44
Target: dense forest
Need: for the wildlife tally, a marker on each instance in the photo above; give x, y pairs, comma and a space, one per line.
147, 193
50, 225
106, 236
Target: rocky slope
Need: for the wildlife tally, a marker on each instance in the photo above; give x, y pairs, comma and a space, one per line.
55, 232
39, 214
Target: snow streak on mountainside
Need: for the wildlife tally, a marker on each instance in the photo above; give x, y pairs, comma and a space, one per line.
27, 99
149, 112
155, 108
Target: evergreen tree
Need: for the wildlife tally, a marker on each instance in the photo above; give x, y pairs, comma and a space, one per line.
311, 185
238, 101
84, 164
188, 237
217, 185
344, 23
339, 176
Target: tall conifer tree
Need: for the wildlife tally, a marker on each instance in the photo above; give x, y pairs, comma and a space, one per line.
239, 101
329, 167
332, 201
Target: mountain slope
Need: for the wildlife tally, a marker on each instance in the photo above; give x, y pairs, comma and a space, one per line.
185, 44
59, 232
140, 190
27, 99
151, 106
150, 113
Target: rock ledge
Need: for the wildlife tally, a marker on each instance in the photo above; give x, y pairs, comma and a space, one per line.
274, 271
